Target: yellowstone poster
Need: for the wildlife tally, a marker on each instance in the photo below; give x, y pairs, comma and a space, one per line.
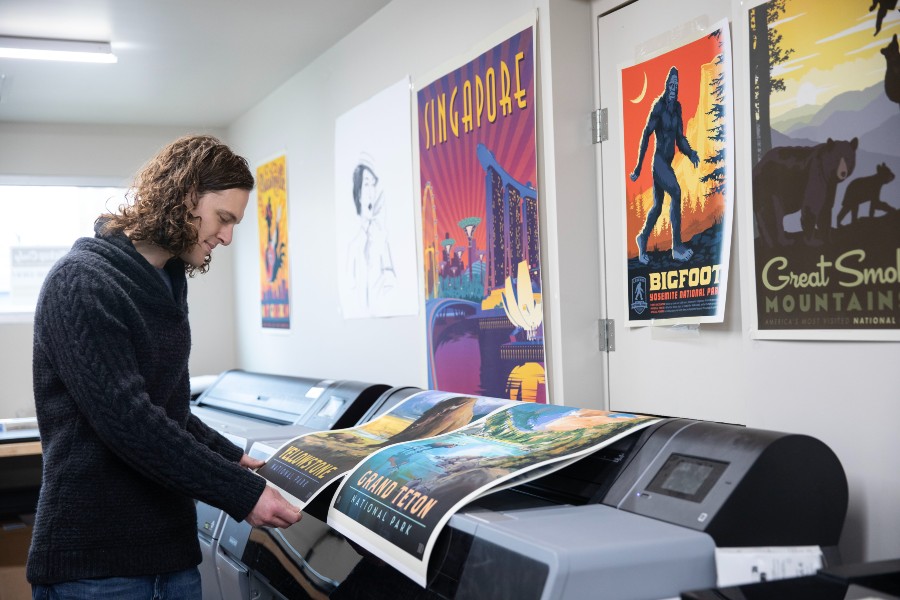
274, 254
825, 125
307, 464
397, 500
480, 225
677, 121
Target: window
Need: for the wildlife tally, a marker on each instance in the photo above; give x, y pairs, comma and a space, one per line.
38, 224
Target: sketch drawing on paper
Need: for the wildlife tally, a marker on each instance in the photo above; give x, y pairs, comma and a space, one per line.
375, 207
370, 268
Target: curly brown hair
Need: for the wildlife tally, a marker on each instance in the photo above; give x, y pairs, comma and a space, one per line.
158, 204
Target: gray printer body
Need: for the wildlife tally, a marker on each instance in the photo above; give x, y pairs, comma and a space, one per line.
637, 520
247, 407
250, 405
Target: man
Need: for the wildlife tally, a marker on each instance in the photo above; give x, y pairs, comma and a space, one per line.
124, 458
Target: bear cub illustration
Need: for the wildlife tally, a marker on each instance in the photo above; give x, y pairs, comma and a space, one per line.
788, 179
892, 72
866, 189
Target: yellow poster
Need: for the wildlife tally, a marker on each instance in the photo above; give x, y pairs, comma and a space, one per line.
274, 263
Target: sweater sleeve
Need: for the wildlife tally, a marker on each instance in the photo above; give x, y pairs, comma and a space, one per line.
103, 378
212, 439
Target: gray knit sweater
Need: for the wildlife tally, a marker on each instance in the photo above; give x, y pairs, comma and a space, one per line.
123, 455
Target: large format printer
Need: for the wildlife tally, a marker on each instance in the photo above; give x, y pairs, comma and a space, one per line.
639, 519
318, 558
246, 406
243, 405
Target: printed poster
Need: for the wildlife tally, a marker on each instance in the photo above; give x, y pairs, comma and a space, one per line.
397, 500
306, 465
825, 127
480, 225
274, 251
677, 121
375, 207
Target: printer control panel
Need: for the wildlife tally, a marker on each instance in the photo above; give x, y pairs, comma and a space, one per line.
743, 486
687, 477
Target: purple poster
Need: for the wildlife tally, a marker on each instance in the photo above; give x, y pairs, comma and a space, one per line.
480, 226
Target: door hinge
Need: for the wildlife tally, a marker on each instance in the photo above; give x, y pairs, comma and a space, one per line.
607, 335
599, 125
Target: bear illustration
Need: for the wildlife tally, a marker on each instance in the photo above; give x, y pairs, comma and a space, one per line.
866, 189
788, 179
883, 7
892, 72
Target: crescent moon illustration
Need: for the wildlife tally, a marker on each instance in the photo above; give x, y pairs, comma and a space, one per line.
643, 91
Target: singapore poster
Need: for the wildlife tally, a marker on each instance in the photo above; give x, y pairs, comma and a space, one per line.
480, 225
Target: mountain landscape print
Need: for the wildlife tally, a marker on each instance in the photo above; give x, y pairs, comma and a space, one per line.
825, 120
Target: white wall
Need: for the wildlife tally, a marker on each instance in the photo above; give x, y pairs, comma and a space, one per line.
413, 37
842, 393
410, 37
111, 154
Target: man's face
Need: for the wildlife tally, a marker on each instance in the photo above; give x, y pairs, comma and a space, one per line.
216, 214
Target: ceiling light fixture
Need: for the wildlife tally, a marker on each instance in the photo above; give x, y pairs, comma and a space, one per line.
65, 50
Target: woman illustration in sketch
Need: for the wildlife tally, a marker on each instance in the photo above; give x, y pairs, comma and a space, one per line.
370, 268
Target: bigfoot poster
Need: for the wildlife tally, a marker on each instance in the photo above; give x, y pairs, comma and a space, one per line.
480, 228
825, 88
679, 181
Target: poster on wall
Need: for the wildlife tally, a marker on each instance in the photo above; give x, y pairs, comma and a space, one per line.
375, 207
825, 127
396, 501
677, 132
274, 250
480, 224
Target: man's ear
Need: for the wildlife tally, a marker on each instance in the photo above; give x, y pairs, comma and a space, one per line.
190, 201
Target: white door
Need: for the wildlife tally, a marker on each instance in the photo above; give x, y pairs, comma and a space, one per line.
668, 370
718, 372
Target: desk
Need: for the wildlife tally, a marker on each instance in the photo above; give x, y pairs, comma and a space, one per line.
20, 476
20, 449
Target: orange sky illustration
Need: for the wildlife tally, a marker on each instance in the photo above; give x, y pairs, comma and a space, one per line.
694, 63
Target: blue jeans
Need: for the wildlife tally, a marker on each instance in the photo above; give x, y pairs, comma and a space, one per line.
182, 585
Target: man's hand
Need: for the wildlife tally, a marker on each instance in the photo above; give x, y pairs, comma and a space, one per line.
272, 510
250, 462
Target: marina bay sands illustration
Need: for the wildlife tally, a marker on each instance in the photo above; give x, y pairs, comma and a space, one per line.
483, 300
